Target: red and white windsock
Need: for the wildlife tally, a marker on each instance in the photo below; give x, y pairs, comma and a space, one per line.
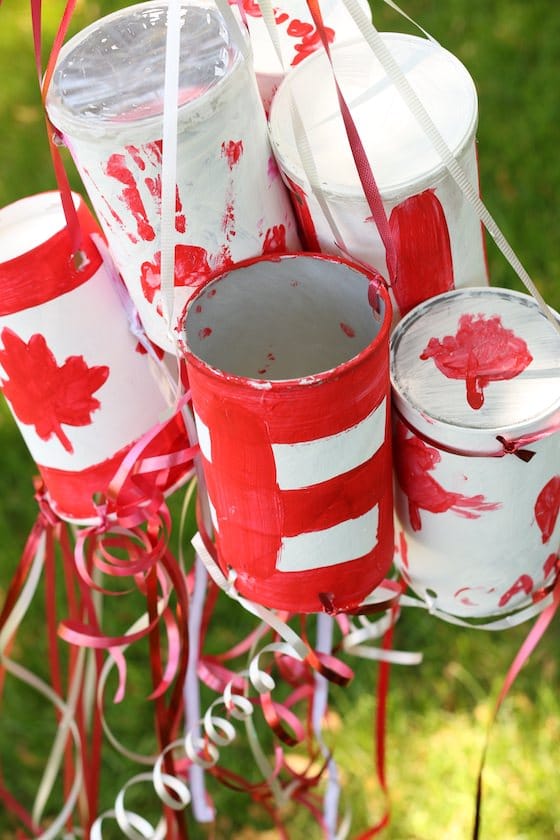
81, 387
287, 361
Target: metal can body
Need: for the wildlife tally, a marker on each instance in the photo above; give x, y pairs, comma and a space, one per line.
476, 394
437, 234
81, 388
287, 360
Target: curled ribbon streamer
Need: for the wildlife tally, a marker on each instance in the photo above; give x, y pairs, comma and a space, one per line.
333, 669
10, 622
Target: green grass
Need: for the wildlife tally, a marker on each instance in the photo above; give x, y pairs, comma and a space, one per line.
437, 710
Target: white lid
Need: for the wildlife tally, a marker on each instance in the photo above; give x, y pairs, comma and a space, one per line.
112, 72
475, 362
399, 152
30, 222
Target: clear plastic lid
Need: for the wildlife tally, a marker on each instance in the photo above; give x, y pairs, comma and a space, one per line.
113, 71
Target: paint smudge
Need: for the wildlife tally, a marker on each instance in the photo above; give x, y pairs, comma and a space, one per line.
310, 38
473, 591
547, 508
132, 168
275, 240
482, 351
524, 583
205, 332
414, 460
191, 268
228, 221
232, 151
347, 330
306, 226
116, 168
272, 169
425, 264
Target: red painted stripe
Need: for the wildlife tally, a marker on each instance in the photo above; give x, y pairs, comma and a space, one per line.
48, 271
344, 497
71, 493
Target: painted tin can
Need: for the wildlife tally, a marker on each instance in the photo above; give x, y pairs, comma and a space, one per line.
476, 392
287, 359
437, 235
297, 37
106, 99
80, 387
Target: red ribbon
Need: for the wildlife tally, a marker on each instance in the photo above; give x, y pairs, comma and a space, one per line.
365, 174
534, 636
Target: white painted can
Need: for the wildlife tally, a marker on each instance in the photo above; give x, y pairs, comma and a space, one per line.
297, 37
106, 99
437, 234
81, 388
476, 394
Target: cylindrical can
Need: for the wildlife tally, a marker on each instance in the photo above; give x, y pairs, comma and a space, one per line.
80, 387
106, 99
476, 394
287, 360
297, 37
437, 234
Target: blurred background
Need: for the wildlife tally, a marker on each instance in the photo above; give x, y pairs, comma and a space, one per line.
438, 710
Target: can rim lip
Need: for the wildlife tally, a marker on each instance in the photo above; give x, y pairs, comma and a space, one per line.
67, 122
420, 416
394, 190
271, 385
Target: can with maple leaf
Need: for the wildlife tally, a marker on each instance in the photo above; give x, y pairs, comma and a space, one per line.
476, 395
81, 388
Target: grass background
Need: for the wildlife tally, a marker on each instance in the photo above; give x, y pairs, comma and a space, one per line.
438, 710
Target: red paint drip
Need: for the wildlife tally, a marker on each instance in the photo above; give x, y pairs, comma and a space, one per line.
414, 459
228, 221
425, 265
482, 351
547, 508
232, 151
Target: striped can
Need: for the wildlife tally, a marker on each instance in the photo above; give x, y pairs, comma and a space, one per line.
287, 359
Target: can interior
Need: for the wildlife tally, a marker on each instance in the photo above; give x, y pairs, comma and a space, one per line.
283, 318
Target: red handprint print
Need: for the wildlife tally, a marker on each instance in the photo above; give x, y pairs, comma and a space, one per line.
414, 459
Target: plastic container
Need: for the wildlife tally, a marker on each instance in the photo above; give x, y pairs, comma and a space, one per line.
106, 100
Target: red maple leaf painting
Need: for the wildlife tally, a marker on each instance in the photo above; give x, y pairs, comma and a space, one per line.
44, 394
414, 460
481, 351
